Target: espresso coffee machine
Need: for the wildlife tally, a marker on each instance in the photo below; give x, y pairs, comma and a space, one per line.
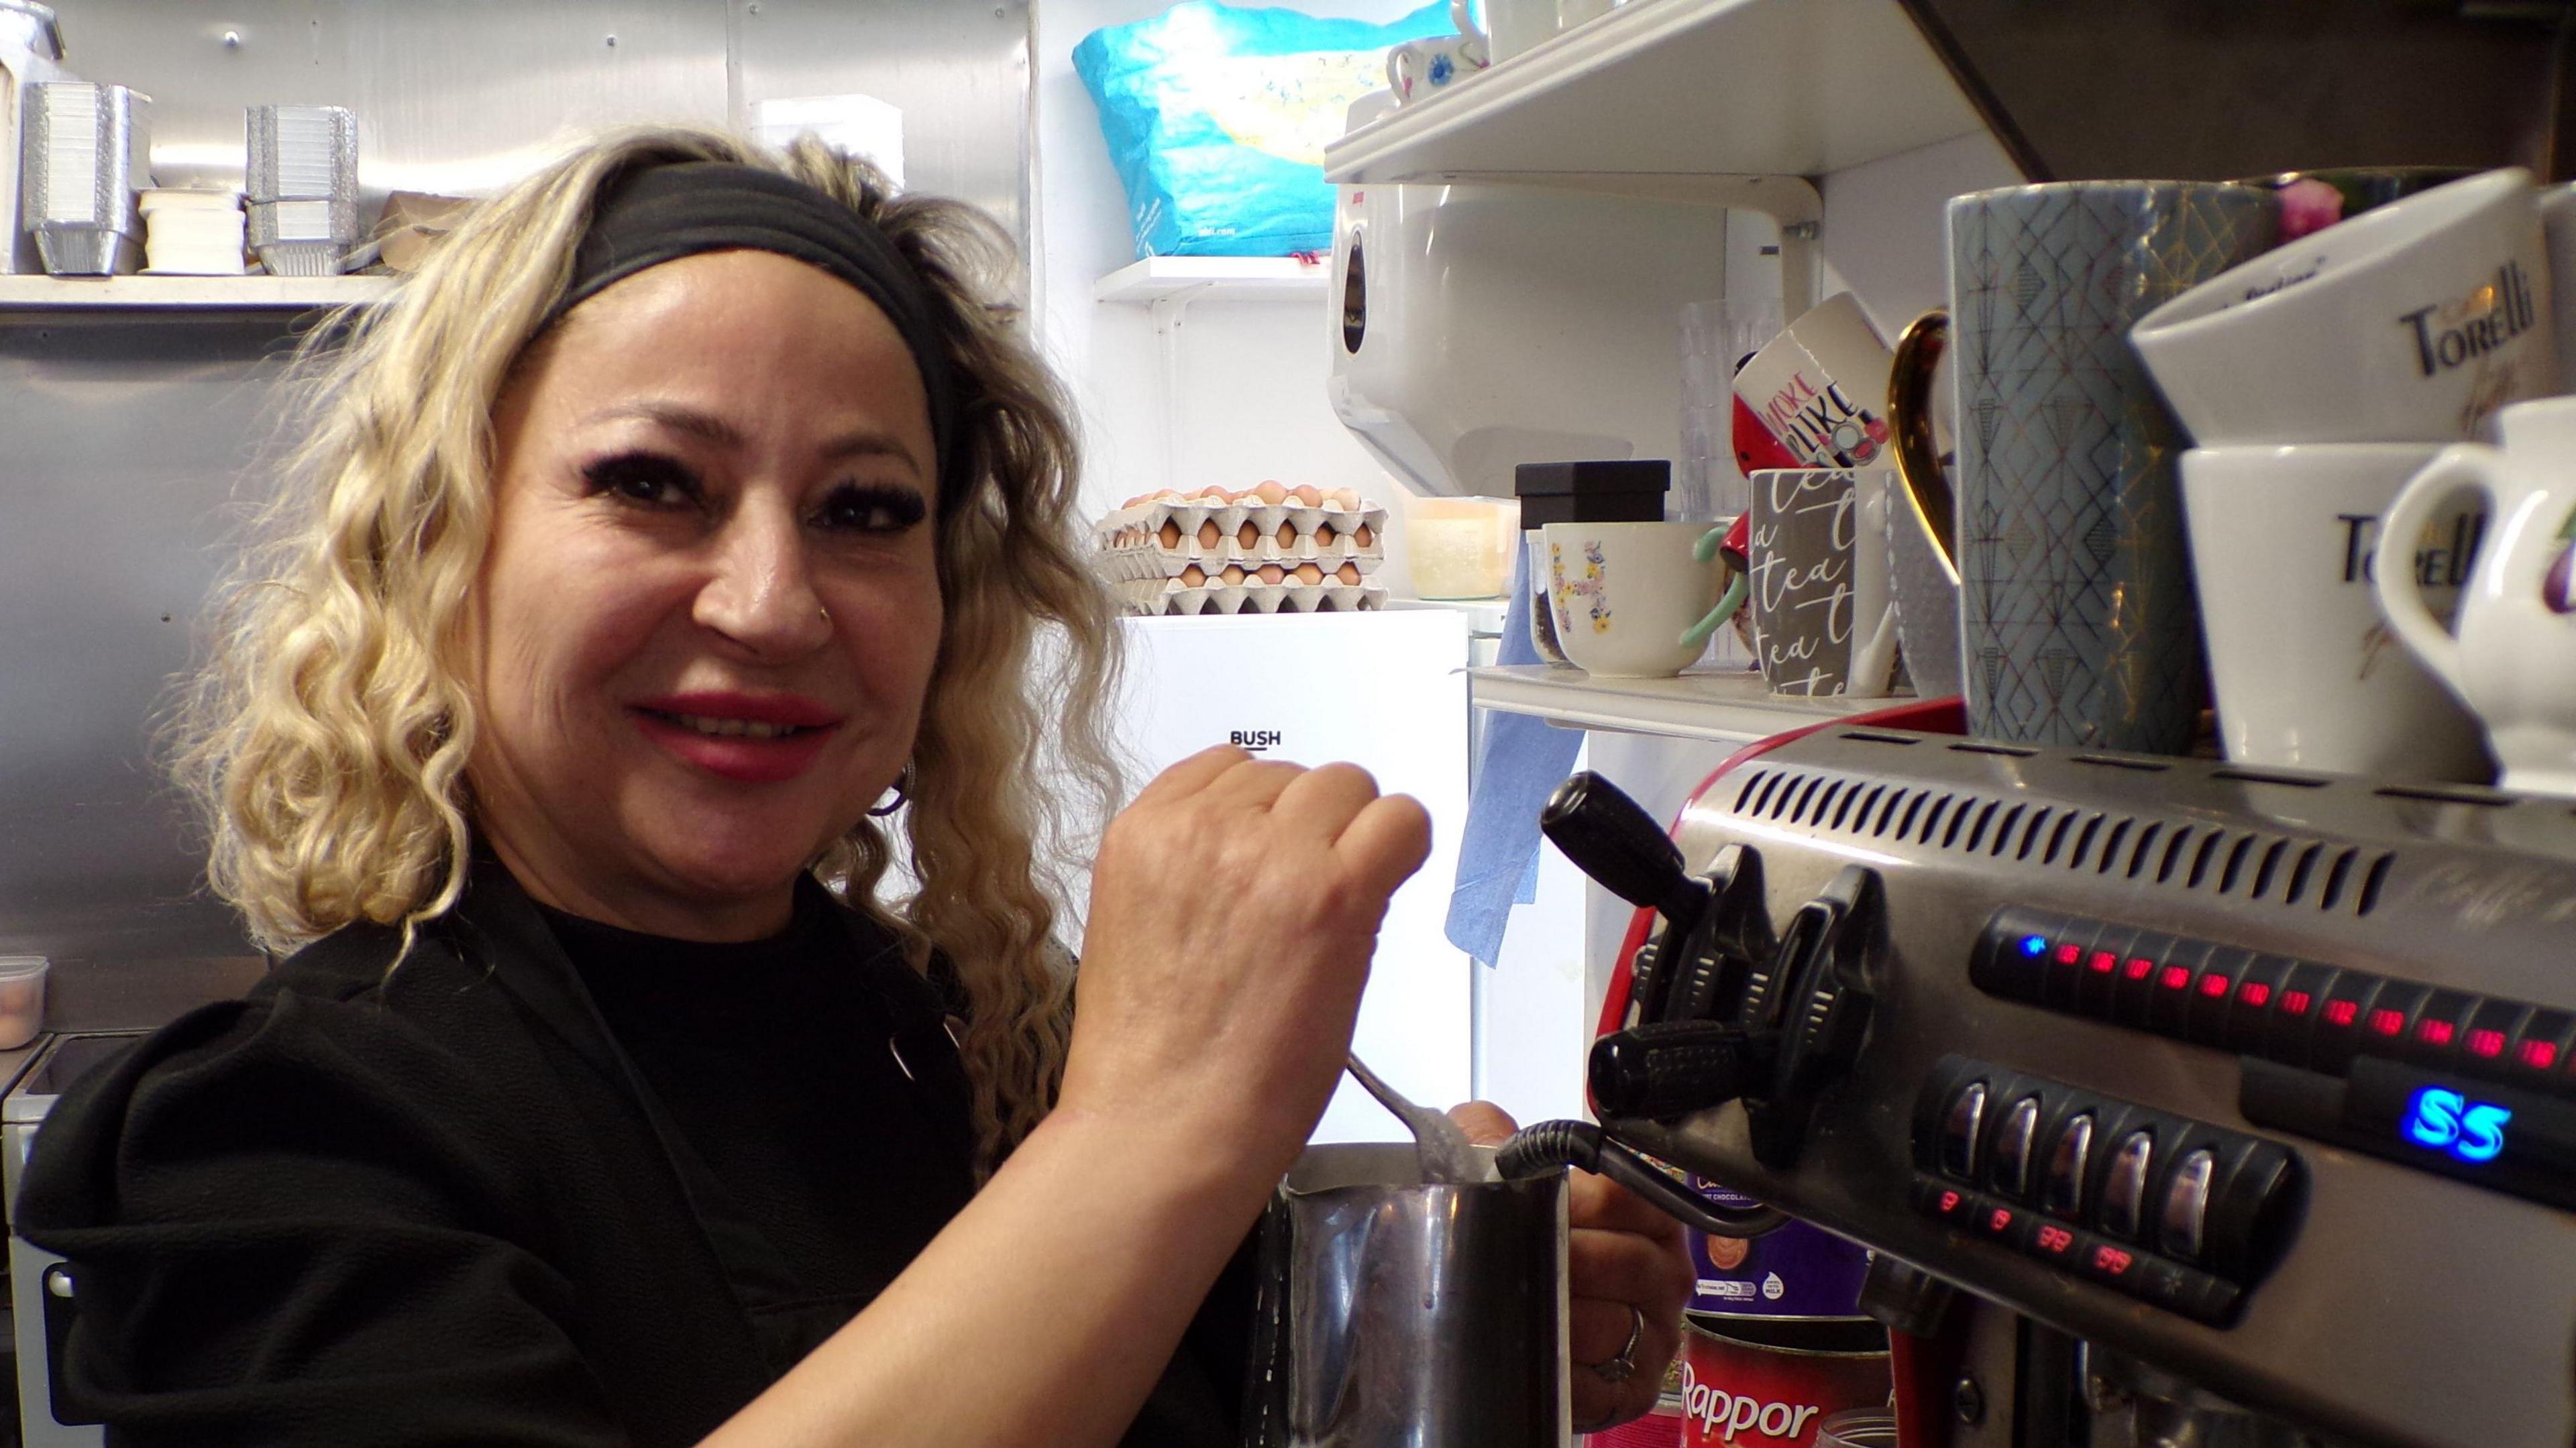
2183, 1103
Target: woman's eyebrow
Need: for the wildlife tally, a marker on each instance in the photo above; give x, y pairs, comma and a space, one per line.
697, 423
708, 427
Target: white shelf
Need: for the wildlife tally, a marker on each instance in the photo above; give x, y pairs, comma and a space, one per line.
1213, 279
232, 294
1680, 88
1483, 615
1732, 707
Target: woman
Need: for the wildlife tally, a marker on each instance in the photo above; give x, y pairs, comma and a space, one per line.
685, 505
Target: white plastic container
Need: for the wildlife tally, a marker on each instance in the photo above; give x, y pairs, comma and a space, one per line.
22, 999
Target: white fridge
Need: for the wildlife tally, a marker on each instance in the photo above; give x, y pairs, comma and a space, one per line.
1386, 691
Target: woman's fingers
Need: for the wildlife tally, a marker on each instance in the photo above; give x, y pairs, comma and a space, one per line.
1625, 1267
1596, 1330
1190, 775
1384, 844
1599, 1402
1484, 1123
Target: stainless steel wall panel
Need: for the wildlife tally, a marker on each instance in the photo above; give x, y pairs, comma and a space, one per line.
959, 69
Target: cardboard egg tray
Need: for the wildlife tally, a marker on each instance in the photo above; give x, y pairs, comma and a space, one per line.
1134, 546
1157, 596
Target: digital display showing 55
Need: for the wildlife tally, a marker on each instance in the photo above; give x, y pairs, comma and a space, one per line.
2450, 1122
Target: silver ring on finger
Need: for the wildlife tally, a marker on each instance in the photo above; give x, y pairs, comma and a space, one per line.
1624, 1366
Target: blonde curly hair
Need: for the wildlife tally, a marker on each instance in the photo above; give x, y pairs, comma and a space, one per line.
325, 741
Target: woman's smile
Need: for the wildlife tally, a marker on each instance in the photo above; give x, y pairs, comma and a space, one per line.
746, 738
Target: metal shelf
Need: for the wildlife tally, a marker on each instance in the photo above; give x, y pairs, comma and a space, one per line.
19, 294
1680, 88
1213, 279
1732, 707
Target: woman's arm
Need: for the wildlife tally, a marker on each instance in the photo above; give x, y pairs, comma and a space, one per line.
1234, 910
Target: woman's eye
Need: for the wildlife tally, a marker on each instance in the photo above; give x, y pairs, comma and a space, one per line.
643, 478
879, 509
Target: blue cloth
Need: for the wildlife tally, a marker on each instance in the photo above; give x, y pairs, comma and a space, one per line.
1522, 760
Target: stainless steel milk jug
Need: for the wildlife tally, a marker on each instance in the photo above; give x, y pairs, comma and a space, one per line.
1398, 1315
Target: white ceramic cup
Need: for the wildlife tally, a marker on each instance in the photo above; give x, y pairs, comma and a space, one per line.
1623, 595
1513, 26
2510, 654
1820, 387
2413, 322
2307, 672
1420, 68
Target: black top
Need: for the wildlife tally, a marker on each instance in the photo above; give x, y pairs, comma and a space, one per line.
546, 1183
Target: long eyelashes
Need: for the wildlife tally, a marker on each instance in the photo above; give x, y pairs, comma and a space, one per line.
873, 508
643, 477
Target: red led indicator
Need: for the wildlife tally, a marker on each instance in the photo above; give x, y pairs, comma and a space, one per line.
2139, 967
2539, 1055
2438, 1033
2295, 1002
2055, 1239
2000, 1221
2175, 977
2069, 954
1949, 1203
2111, 1260
2103, 962
2387, 1022
2254, 993
2489, 1044
2341, 1013
2213, 986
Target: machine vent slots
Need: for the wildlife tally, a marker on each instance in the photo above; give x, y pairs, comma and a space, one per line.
2249, 865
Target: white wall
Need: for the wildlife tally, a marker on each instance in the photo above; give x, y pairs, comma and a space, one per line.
1249, 402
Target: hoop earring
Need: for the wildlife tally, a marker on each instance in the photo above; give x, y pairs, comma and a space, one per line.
902, 794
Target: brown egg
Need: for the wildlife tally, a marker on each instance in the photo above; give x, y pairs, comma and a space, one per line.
1349, 498
1233, 573
1208, 535
1309, 573
1307, 495
1348, 573
1171, 534
1271, 493
1287, 535
1364, 536
1273, 573
1248, 537
1192, 576
1324, 535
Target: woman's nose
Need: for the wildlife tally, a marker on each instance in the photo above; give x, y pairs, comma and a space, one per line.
760, 593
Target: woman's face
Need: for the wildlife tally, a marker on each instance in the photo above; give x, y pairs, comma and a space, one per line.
706, 623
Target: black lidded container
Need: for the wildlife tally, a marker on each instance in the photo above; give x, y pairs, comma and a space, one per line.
1626, 490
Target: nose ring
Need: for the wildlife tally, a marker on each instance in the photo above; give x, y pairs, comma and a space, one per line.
825, 610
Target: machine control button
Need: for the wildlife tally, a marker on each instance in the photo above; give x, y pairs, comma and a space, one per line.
1943, 1202
2064, 1246
2002, 1222
2108, 1262
2062, 1190
1961, 1127
2124, 1191
2185, 1217
2011, 1165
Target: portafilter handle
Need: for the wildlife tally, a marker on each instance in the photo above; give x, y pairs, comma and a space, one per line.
1611, 838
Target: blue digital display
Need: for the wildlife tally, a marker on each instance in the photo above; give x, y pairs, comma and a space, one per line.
2448, 1122
2034, 945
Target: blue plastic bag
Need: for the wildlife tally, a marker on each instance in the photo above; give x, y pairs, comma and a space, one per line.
1217, 115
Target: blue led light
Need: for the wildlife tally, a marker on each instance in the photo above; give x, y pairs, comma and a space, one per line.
2034, 946
2446, 1121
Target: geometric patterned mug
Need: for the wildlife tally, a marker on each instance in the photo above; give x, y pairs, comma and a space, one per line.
2076, 599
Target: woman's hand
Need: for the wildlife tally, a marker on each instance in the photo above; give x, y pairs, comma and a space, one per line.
1626, 1272
1234, 908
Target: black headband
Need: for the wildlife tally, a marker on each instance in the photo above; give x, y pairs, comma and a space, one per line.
682, 208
